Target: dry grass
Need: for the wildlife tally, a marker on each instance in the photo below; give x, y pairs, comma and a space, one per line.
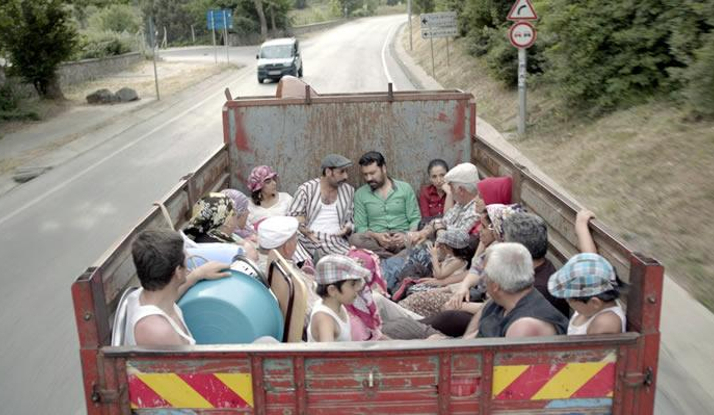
645, 171
173, 77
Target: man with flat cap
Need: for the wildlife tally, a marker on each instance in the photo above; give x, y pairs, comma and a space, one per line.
324, 207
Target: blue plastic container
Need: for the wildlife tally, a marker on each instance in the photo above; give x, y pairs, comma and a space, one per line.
235, 309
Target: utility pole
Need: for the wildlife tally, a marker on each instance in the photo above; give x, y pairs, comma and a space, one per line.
225, 34
152, 38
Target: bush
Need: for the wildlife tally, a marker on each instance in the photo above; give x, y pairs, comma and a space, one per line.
37, 36
116, 18
8, 99
103, 44
606, 54
700, 76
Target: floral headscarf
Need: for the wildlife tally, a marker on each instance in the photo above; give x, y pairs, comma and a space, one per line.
364, 306
258, 176
498, 213
209, 214
240, 202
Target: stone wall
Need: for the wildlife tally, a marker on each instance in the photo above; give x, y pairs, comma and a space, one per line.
71, 73
300, 30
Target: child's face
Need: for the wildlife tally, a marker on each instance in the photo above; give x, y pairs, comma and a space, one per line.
348, 293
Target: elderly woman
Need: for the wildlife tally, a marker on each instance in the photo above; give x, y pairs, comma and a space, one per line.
241, 204
266, 201
214, 219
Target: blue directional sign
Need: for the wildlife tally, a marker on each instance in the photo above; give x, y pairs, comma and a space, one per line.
219, 19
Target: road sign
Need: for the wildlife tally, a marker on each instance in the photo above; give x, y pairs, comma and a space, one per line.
435, 32
522, 10
441, 19
522, 35
215, 20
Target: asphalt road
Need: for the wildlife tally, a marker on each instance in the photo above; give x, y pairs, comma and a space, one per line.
54, 227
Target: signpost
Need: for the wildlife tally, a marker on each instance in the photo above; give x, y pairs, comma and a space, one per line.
522, 35
219, 19
436, 25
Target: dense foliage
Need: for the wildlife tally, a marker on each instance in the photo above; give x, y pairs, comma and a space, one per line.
37, 36
603, 54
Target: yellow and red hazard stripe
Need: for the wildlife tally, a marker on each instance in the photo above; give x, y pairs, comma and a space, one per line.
555, 381
197, 390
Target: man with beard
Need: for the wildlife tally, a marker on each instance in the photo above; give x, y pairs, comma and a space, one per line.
385, 209
323, 206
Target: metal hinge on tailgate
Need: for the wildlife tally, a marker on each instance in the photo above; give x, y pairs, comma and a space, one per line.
107, 395
635, 380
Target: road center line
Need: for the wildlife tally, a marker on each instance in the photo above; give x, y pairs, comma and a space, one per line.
55, 189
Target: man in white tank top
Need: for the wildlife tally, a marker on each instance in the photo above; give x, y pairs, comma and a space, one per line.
153, 318
339, 280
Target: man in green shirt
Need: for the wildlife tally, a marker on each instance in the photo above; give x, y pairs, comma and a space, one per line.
385, 209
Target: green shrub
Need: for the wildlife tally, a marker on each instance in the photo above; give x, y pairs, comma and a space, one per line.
700, 76
116, 18
606, 54
37, 36
103, 44
8, 99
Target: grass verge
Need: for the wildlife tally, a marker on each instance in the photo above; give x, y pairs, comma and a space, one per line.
645, 171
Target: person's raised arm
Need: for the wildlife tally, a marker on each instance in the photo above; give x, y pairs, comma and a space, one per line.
582, 230
449, 201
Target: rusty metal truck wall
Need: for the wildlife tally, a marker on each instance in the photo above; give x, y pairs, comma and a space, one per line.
292, 136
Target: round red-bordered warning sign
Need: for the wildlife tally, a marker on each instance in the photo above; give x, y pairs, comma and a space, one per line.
522, 35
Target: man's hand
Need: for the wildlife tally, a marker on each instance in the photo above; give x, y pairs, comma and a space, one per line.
480, 205
398, 240
446, 188
382, 239
311, 236
346, 230
457, 300
438, 336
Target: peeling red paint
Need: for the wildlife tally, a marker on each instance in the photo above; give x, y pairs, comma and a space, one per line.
241, 138
459, 121
442, 117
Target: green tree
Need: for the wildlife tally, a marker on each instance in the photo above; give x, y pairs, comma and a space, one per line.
117, 18
37, 36
607, 53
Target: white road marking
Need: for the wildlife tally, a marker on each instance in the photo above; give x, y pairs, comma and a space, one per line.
53, 190
384, 56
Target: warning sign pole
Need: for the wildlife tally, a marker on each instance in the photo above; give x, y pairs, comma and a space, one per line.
522, 64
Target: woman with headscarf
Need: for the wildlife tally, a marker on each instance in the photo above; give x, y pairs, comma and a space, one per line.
266, 201
365, 320
241, 204
214, 219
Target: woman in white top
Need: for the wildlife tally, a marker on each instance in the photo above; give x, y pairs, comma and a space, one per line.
266, 201
153, 318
